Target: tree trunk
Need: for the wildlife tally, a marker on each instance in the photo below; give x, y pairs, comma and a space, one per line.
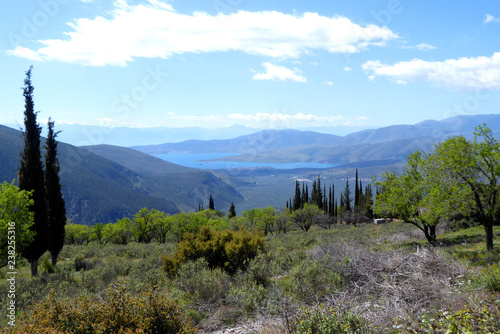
34, 268
430, 234
488, 228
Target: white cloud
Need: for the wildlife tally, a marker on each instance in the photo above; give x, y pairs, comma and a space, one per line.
490, 18
25, 53
461, 74
328, 83
279, 73
421, 46
156, 30
263, 120
347, 69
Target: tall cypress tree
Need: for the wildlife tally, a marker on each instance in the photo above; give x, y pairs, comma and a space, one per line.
296, 199
31, 178
232, 211
347, 196
56, 211
319, 195
356, 193
211, 205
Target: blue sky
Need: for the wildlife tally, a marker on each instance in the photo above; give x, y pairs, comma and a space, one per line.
263, 64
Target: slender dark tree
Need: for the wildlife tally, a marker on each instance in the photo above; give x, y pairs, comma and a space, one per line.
307, 194
232, 211
56, 211
347, 196
211, 205
356, 193
31, 178
297, 199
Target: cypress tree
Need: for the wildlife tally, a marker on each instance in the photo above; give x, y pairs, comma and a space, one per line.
303, 196
56, 211
307, 194
314, 194
325, 200
356, 193
31, 178
347, 196
296, 199
319, 195
211, 205
232, 211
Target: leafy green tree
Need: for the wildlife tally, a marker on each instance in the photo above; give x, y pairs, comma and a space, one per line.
118, 233
162, 225
283, 221
467, 173
56, 210
98, 233
31, 178
15, 220
407, 196
142, 225
306, 217
77, 234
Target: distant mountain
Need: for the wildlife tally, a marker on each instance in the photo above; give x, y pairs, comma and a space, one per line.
388, 143
261, 141
97, 189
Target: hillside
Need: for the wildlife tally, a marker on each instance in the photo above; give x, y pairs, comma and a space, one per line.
97, 189
186, 187
309, 146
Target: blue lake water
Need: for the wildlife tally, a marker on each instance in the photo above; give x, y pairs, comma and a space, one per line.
195, 160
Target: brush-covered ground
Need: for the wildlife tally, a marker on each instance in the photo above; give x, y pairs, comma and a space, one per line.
365, 279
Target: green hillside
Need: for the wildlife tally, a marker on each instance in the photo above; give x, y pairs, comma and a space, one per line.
98, 190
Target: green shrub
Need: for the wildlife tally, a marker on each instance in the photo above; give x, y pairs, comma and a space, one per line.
205, 288
116, 312
490, 277
467, 319
312, 280
227, 250
320, 320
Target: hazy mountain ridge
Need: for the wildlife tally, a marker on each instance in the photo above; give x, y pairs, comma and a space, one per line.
99, 190
387, 143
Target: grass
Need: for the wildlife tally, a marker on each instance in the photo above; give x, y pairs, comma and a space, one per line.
382, 276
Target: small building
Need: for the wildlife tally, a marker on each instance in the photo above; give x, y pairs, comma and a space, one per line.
379, 221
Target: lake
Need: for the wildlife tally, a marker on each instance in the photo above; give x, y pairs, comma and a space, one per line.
195, 160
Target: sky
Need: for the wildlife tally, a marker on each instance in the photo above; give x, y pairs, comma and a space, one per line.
263, 64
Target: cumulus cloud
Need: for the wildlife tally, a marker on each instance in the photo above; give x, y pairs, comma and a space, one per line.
328, 83
461, 74
156, 30
490, 18
279, 73
347, 69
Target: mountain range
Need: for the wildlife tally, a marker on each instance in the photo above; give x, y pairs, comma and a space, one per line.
388, 143
103, 183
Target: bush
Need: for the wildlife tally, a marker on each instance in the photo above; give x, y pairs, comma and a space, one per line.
117, 312
320, 320
227, 250
313, 280
205, 288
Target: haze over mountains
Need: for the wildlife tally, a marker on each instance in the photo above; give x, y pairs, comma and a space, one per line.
103, 183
